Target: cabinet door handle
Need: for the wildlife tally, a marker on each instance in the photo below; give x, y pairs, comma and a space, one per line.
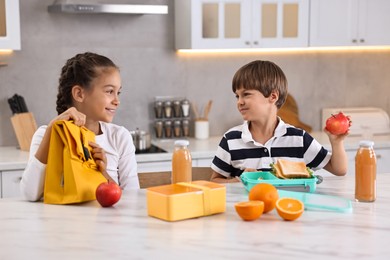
362, 40
378, 156
255, 42
247, 43
354, 40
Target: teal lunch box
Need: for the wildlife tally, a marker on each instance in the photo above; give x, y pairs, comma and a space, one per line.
250, 179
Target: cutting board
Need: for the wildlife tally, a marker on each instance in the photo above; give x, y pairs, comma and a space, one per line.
289, 113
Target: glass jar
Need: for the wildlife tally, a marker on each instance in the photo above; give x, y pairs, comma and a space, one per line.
365, 172
181, 162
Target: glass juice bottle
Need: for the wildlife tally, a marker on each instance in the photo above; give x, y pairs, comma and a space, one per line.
181, 162
365, 172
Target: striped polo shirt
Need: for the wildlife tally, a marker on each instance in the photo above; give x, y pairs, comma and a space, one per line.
238, 151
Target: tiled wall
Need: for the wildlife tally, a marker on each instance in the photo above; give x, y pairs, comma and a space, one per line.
143, 48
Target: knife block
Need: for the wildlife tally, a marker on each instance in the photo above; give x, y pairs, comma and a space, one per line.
24, 126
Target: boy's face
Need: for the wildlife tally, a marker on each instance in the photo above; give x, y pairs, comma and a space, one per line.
253, 106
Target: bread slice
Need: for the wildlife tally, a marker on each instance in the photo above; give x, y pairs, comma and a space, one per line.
291, 169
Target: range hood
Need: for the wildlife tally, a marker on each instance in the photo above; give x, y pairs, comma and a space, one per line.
79, 8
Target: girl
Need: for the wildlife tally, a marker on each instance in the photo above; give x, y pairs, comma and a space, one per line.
88, 94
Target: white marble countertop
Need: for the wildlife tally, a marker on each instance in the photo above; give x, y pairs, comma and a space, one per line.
88, 231
12, 158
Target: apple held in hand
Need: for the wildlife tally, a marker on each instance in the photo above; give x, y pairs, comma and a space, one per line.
338, 124
108, 193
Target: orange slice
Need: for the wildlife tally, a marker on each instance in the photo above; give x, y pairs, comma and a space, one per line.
289, 208
249, 210
265, 192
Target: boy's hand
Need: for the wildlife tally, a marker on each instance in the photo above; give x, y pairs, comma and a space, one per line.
336, 138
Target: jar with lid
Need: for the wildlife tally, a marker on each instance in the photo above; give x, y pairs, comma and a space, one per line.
365, 172
181, 162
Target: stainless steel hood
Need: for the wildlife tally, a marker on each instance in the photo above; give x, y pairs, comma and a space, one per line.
107, 8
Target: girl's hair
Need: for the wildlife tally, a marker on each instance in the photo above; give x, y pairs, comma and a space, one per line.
80, 70
264, 76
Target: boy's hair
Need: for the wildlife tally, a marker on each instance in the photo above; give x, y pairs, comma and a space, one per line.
80, 70
264, 76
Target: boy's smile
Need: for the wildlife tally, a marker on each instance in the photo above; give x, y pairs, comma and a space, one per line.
252, 104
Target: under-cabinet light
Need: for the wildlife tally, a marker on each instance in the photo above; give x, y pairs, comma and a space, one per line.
286, 50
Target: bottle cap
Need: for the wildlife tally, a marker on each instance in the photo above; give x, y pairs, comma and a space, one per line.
182, 142
366, 143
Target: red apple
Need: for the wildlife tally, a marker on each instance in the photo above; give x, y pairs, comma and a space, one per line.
108, 193
338, 124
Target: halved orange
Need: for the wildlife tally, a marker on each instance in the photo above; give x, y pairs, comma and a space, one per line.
289, 208
249, 210
264, 192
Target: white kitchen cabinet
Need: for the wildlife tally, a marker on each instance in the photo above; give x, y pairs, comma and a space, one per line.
216, 24
9, 25
349, 22
10, 181
382, 160
166, 165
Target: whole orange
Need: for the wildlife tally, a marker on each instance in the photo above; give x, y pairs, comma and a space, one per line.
265, 192
249, 210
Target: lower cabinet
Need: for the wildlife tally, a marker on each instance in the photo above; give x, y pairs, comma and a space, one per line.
162, 166
10, 181
382, 160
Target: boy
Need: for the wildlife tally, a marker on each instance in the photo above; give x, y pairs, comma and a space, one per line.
261, 89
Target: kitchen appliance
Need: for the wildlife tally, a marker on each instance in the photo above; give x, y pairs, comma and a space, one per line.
142, 143
366, 121
94, 8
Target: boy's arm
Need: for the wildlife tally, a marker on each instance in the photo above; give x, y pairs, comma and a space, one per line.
338, 163
216, 177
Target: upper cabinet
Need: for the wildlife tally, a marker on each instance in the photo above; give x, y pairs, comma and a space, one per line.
214, 24
349, 22
9, 25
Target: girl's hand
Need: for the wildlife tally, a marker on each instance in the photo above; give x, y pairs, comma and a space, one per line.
71, 114
99, 155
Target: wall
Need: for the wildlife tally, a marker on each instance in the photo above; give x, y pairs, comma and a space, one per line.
143, 47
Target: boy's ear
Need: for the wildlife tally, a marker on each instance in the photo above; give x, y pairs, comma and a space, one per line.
274, 96
78, 93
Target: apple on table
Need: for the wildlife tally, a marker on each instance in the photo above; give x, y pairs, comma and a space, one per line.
108, 193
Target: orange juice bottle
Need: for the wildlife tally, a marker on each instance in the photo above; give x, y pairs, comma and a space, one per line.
365, 172
181, 162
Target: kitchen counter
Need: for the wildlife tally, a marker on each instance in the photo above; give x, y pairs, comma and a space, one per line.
12, 158
88, 231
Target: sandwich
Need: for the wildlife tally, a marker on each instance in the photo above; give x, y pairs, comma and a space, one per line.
285, 169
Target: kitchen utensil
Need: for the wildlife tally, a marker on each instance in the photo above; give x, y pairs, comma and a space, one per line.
168, 109
141, 139
168, 128
158, 109
186, 127
17, 104
185, 108
176, 108
177, 128
158, 125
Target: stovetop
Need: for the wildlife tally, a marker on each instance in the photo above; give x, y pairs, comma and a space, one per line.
152, 149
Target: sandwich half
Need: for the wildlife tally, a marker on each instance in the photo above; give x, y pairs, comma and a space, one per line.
285, 169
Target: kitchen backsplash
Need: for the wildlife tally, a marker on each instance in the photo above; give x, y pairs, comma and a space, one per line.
143, 48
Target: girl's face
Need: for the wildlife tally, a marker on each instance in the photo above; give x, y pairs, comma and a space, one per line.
253, 106
102, 99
